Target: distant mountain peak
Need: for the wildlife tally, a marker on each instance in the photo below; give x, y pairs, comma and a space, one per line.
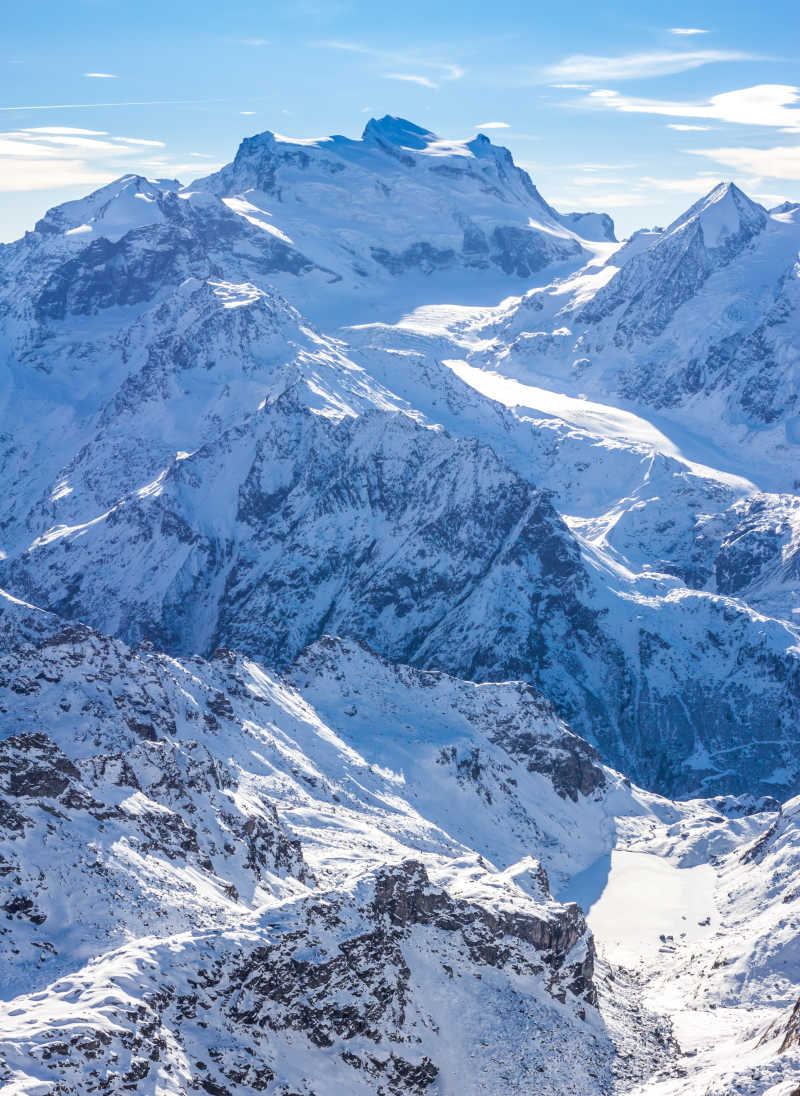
393, 130
131, 201
724, 212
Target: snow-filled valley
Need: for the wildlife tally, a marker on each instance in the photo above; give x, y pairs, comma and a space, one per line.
400, 662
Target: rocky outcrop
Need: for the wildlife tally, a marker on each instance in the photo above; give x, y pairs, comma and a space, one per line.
404, 895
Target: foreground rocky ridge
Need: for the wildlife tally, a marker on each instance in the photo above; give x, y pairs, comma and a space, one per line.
215, 879
189, 803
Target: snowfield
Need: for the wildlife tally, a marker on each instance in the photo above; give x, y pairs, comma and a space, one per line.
637, 904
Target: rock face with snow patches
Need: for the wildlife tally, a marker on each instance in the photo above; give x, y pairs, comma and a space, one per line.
399, 201
349, 599
700, 317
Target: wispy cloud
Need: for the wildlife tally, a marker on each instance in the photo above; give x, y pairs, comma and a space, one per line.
410, 78
683, 128
439, 70
44, 157
493, 125
782, 162
24, 175
601, 167
65, 131
101, 75
641, 191
697, 184
762, 105
686, 31
631, 66
595, 180
132, 103
613, 199
770, 199
253, 41
164, 168
138, 141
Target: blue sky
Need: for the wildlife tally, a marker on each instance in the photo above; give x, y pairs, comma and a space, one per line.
609, 106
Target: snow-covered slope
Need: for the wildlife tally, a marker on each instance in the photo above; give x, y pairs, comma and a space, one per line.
197, 839
698, 321
215, 877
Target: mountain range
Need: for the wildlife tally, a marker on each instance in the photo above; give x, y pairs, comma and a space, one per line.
401, 663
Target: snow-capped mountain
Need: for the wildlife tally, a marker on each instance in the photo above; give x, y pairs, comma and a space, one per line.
339, 389
696, 321
401, 201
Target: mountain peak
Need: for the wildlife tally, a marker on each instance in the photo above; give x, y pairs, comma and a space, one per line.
724, 212
392, 130
131, 201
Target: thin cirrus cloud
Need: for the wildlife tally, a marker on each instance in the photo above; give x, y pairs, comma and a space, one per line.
640, 192
683, 128
404, 66
43, 157
493, 125
763, 105
687, 31
94, 106
65, 131
632, 66
101, 75
698, 184
782, 162
410, 78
